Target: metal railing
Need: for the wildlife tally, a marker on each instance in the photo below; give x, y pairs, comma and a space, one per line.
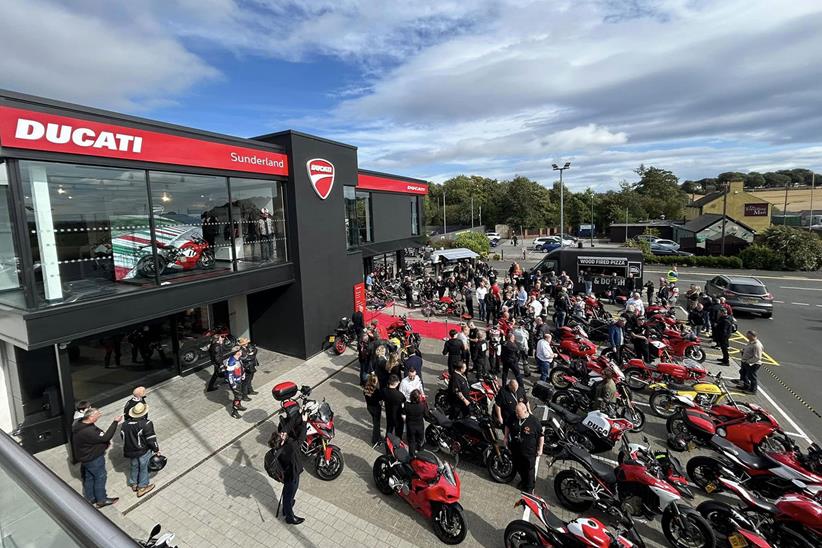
37, 508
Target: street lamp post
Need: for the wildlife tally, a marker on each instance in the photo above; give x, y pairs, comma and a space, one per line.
592, 218
626, 224
561, 202
444, 230
472, 211
813, 184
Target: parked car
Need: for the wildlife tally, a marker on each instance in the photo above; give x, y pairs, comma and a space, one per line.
538, 242
668, 243
658, 249
550, 246
493, 238
650, 238
743, 293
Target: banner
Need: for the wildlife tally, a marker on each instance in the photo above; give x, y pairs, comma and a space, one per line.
359, 296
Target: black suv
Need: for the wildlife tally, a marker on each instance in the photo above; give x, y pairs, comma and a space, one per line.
744, 293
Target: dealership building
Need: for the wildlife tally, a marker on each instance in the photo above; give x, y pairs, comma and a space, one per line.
125, 242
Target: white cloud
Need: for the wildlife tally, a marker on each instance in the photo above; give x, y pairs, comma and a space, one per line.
52, 51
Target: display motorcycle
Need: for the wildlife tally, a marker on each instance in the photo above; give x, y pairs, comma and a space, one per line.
595, 431
667, 398
551, 531
429, 485
770, 475
193, 253
481, 393
444, 306
584, 370
473, 437
319, 429
749, 427
791, 521
343, 337
634, 488
640, 374
402, 330
660, 462
155, 540
580, 398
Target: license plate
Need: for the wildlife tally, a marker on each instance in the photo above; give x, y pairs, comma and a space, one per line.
737, 541
332, 338
745, 300
710, 488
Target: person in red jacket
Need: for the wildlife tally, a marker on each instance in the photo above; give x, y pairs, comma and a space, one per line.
504, 324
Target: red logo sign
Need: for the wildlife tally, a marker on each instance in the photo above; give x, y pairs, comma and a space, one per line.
359, 296
321, 173
374, 182
33, 130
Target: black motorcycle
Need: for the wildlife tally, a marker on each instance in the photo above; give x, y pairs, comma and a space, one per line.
472, 437
581, 398
344, 335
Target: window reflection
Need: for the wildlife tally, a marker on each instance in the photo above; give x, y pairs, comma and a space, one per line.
258, 211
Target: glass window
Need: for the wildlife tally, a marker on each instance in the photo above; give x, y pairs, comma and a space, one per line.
366, 229
88, 227
191, 223
415, 215
352, 235
9, 278
258, 210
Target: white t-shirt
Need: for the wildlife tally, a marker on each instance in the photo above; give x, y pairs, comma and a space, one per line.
536, 308
407, 386
544, 351
481, 292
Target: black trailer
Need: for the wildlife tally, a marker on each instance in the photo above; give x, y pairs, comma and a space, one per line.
604, 265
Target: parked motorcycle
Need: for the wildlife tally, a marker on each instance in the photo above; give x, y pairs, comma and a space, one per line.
428, 484
771, 475
472, 437
640, 374
792, 521
595, 431
344, 335
193, 253
319, 429
155, 540
402, 330
751, 428
552, 531
481, 393
659, 462
666, 399
633, 488
580, 397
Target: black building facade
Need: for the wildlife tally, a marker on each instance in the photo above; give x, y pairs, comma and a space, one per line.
125, 243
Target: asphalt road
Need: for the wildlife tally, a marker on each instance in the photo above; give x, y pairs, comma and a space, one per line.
790, 338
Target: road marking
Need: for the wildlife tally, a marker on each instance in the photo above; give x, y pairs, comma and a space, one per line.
802, 288
795, 434
801, 304
795, 426
526, 514
780, 302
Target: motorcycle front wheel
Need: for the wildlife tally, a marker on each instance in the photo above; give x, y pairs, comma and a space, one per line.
521, 534
688, 530
718, 515
449, 524
663, 403
557, 374
432, 437
146, 267
695, 353
382, 471
207, 260
330, 470
441, 401
636, 416
501, 466
339, 345
189, 357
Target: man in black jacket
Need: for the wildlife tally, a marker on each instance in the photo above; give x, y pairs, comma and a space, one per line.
139, 443
90, 444
723, 329
510, 359
459, 388
358, 319
249, 361
216, 352
292, 433
453, 348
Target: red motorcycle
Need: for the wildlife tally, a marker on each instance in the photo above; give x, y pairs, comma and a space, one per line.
193, 253
482, 393
402, 330
751, 428
640, 374
573, 344
683, 345
792, 521
552, 531
427, 483
580, 369
319, 429
771, 474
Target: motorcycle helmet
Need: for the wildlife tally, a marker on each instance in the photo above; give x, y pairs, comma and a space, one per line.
157, 463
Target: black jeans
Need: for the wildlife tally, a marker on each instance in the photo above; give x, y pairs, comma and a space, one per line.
376, 418
415, 436
249, 378
748, 375
289, 491
642, 349
394, 424
525, 466
723, 345
215, 374
514, 369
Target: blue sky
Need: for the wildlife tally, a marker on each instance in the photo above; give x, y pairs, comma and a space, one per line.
432, 89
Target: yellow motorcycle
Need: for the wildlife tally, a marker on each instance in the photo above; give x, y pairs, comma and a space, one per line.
666, 398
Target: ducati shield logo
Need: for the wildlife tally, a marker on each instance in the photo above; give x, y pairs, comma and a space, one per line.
321, 173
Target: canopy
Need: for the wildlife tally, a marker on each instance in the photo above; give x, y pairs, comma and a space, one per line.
453, 254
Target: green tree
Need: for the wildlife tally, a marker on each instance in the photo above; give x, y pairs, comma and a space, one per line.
754, 180
660, 193
729, 176
474, 241
800, 249
526, 202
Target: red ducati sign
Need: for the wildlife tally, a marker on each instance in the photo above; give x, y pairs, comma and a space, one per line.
321, 173
32, 130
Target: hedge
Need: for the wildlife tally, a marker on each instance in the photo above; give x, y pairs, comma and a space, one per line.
760, 257
695, 260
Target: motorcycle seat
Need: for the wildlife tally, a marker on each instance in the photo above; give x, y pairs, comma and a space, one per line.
748, 459
601, 469
678, 386
441, 418
570, 418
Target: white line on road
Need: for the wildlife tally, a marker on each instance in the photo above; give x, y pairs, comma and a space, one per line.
802, 288
796, 435
801, 304
780, 302
799, 431
527, 512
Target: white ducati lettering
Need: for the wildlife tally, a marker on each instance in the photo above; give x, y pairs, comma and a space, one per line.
106, 140
55, 133
82, 137
29, 129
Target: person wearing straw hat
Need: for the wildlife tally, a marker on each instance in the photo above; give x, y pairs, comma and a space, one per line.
139, 444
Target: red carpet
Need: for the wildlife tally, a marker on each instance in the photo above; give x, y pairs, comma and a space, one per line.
428, 330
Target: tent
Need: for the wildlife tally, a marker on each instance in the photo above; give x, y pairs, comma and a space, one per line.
452, 254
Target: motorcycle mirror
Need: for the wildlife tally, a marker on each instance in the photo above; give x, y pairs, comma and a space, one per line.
155, 531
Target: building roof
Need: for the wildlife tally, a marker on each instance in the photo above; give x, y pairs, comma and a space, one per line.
708, 198
709, 219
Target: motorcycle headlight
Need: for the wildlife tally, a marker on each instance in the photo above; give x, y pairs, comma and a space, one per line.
448, 474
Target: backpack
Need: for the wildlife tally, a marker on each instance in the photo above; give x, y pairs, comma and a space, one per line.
271, 460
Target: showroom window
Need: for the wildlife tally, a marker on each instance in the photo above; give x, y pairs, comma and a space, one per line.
9, 278
415, 215
192, 227
358, 227
89, 229
258, 211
